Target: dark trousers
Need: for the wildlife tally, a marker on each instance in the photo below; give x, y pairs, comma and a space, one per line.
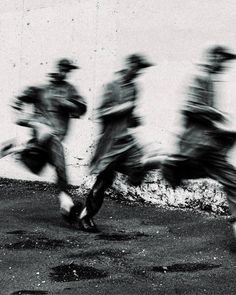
36, 156
56, 158
96, 195
129, 164
212, 165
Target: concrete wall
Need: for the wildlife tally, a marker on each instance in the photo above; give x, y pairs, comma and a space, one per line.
97, 35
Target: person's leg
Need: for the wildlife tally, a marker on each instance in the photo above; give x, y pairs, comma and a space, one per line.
95, 199
177, 168
96, 195
172, 169
57, 159
30, 153
231, 198
225, 174
132, 164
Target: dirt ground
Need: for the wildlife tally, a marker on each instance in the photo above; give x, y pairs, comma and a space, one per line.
140, 249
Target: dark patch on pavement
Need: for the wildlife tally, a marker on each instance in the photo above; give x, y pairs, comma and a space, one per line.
185, 267
39, 243
103, 252
74, 272
120, 236
232, 246
30, 292
16, 232
180, 267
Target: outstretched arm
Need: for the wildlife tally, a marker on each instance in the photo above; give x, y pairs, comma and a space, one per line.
20, 104
200, 104
75, 104
118, 110
112, 106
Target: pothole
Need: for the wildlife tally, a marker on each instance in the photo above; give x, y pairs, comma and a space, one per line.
185, 267
16, 232
74, 272
30, 292
41, 243
120, 236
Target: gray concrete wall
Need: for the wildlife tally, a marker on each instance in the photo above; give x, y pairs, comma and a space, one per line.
97, 35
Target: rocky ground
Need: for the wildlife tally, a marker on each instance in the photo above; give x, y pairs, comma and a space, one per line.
202, 194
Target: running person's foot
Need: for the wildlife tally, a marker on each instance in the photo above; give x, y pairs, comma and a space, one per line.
232, 244
86, 222
72, 217
88, 225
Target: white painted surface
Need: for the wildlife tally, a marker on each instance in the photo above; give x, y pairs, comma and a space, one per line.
97, 35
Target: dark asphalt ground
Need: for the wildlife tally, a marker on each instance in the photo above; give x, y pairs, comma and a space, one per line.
139, 249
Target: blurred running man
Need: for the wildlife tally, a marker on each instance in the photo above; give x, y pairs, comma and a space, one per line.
204, 144
53, 106
117, 149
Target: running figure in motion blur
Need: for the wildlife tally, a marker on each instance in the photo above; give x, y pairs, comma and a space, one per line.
52, 107
117, 150
204, 144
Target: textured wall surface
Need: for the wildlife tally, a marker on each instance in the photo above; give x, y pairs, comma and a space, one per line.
97, 35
